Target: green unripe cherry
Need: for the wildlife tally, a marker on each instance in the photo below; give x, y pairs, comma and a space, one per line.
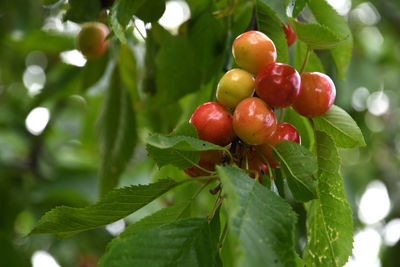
234, 86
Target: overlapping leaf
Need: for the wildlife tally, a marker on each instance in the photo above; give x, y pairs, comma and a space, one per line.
341, 127
329, 218
269, 23
326, 15
299, 165
181, 148
117, 204
263, 222
188, 242
302, 125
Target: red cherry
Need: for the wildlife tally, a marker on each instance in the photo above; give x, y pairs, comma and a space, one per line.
289, 34
284, 131
253, 50
91, 40
278, 85
253, 121
317, 94
213, 123
208, 160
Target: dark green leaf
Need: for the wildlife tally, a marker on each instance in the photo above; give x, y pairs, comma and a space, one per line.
187, 242
341, 127
262, 221
127, 65
299, 5
93, 71
117, 204
326, 15
181, 148
270, 24
151, 11
82, 11
299, 165
116, 129
316, 36
329, 218
313, 63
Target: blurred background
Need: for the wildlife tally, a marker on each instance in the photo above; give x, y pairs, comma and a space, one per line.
50, 98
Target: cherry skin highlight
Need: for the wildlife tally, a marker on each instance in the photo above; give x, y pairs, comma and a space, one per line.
253, 50
284, 131
289, 34
213, 123
253, 121
278, 85
317, 94
235, 86
91, 40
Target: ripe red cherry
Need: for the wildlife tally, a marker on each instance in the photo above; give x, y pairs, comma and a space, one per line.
317, 94
208, 160
213, 123
278, 85
284, 131
253, 121
91, 40
253, 50
289, 34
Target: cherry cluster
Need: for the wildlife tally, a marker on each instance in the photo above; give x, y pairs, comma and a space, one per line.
244, 119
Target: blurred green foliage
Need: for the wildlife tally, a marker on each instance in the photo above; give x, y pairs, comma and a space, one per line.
175, 72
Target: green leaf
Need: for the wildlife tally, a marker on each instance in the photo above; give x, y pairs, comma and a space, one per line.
341, 127
117, 28
326, 15
302, 125
262, 221
278, 6
316, 36
116, 129
181, 148
329, 218
313, 63
298, 6
163, 216
127, 65
82, 11
187, 242
269, 23
150, 11
117, 204
299, 165
93, 71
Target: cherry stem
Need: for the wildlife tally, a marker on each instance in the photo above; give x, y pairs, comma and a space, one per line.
305, 60
266, 162
196, 165
137, 28
223, 236
215, 190
217, 204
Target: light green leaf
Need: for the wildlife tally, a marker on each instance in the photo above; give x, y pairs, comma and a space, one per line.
180, 148
326, 15
299, 165
278, 6
298, 6
187, 242
316, 36
263, 222
329, 218
117, 204
117, 28
313, 63
116, 129
341, 127
269, 23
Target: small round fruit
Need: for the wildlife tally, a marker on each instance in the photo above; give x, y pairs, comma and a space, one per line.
278, 85
253, 121
289, 34
284, 131
208, 160
317, 94
213, 123
253, 50
235, 86
91, 40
